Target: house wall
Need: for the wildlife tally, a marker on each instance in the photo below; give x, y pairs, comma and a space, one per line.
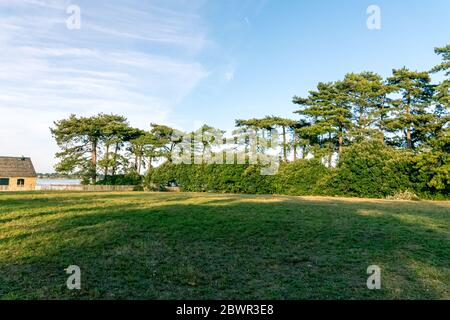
30, 184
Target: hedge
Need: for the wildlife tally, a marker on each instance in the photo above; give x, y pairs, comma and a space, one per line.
367, 169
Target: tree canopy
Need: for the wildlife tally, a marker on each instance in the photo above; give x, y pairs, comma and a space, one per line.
406, 111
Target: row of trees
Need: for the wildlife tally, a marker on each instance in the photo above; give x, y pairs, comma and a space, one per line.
405, 111
107, 145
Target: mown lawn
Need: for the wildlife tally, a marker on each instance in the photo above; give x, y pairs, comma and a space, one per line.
203, 246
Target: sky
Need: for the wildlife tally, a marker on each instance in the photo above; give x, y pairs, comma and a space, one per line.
188, 62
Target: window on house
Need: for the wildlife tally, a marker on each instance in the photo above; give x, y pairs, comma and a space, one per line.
4, 182
20, 182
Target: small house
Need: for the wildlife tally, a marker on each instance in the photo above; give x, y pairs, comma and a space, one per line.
17, 174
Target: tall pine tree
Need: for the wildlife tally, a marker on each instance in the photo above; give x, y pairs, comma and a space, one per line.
328, 111
367, 95
410, 114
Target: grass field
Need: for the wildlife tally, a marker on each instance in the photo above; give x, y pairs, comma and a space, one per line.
201, 246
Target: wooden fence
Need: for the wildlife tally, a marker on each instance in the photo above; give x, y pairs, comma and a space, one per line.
18, 188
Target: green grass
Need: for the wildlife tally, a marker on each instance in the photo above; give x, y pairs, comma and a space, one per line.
206, 246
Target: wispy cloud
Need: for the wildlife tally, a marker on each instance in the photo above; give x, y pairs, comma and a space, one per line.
137, 60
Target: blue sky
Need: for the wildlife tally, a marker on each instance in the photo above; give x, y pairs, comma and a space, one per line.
188, 62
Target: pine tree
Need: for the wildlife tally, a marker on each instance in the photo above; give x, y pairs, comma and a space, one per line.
367, 95
442, 91
410, 113
112, 127
329, 113
78, 137
167, 138
445, 65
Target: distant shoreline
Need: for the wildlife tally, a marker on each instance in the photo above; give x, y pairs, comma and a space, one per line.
57, 181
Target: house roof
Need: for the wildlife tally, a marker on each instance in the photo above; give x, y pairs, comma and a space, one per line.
16, 167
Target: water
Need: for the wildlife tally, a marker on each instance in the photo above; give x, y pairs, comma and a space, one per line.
58, 182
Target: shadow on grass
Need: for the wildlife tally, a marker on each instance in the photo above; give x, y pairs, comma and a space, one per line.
180, 246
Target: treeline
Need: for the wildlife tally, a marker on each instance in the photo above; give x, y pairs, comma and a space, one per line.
107, 146
405, 114
367, 168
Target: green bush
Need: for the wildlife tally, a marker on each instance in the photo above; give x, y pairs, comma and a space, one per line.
301, 177
433, 167
368, 169
372, 169
210, 178
297, 178
130, 179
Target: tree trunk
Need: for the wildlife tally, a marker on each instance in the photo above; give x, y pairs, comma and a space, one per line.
295, 146
381, 123
94, 161
330, 156
382, 130
203, 153
263, 138
115, 159
139, 164
360, 118
135, 162
107, 160
341, 143
408, 128
169, 153
408, 138
284, 144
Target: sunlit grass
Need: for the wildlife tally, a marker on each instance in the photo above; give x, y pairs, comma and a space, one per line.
200, 246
